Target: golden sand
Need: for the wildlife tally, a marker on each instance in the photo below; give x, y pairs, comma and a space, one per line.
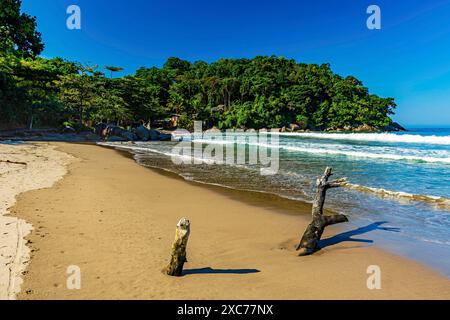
116, 220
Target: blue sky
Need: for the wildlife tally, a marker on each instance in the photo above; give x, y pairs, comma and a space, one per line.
408, 59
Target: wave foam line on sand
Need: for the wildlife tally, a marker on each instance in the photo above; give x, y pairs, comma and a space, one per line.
440, 202
43, 166
180, 156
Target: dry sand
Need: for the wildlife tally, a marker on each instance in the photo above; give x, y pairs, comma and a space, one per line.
30, 166
116, 221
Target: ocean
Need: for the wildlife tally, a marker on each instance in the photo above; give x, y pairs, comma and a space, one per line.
398, 195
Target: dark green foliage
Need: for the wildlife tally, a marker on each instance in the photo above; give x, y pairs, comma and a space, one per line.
270, 92
18, 33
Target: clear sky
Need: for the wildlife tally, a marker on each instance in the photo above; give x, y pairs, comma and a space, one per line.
408, 59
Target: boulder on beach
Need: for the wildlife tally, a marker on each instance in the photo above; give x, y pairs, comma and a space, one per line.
116, 139
127, 135
154, 135
165, 137
100, 128
142, 133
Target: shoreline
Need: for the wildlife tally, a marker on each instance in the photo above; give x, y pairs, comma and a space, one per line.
273, 201
230, 245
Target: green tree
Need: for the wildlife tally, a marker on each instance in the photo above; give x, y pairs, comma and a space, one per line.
78, 91
18, 34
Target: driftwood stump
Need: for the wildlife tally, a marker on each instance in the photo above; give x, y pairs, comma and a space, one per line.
175, 267
309, 242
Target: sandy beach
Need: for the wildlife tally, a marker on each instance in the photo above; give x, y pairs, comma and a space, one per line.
23, 167
116, 220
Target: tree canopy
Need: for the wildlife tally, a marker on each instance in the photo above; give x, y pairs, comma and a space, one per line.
18, 34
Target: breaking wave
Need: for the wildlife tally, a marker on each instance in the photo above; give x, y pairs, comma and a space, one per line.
373, 137
341, 152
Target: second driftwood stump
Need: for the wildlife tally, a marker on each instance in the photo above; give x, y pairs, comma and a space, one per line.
175, 267
309, 242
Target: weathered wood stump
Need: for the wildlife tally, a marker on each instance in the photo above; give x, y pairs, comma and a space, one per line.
309, 242
175, 267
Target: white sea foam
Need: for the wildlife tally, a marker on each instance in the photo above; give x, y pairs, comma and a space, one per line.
440, 202
169, 154
369, 155
344, 151
374, 137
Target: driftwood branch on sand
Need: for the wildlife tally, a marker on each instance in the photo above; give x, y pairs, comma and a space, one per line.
175, 267
309, 242
14, 162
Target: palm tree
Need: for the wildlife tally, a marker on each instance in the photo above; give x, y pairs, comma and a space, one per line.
113, 69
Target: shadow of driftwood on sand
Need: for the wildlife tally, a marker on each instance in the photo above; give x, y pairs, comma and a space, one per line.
218, 271
347, 236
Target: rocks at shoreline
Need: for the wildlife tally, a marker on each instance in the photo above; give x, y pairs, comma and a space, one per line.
114, 133
394, 127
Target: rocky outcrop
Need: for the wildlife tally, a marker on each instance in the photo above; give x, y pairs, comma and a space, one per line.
141, 133
394, 126
115, 139
165, 137
127, 135
366, 128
